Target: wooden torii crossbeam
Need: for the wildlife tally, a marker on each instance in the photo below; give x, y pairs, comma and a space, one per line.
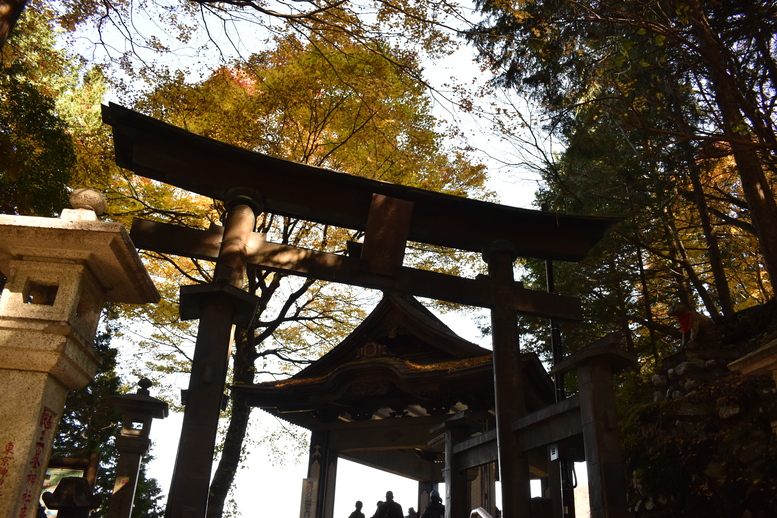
347, 269
389, 215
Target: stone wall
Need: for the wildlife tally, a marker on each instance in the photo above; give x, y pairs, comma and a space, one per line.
704, 446
685, 372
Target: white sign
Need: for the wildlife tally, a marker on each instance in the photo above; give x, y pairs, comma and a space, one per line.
309, 498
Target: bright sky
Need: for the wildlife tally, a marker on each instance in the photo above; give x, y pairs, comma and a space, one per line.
277, 489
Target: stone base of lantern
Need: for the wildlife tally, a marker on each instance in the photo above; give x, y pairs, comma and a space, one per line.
39, 366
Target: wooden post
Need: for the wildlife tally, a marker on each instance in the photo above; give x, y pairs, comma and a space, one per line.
424, 489
508, 381
606, 476
595, 365
218, 306
322, 469
564, 498
555, 486
456, 429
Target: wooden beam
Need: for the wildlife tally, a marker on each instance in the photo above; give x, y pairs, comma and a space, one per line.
399, 462
160, 151
477, 451
481, 450
204, 244
554, 423
551, 424
395, 434
388, 226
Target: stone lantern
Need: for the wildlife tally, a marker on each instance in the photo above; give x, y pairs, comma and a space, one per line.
59, 273
132, 443
761, 362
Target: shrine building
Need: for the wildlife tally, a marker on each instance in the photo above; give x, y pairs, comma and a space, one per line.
393, 396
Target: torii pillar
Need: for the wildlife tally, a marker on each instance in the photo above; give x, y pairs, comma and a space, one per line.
218, 306
508, 380
60, 273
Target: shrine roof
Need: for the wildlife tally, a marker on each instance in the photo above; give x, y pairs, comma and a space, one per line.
163, 152
401, 361
407, 328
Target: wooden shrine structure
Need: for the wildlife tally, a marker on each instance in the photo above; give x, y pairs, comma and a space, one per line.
389, 215
405, 394
386, 397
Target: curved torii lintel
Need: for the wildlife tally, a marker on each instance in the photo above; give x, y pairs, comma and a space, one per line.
169, 154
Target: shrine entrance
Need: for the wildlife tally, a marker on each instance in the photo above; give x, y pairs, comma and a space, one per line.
393, 396
389, 215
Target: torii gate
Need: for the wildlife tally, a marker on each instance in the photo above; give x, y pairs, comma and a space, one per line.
389, 215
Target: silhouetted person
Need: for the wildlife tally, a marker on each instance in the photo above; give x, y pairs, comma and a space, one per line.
411, 513
435, 509
379, 510
358, 512
392, 508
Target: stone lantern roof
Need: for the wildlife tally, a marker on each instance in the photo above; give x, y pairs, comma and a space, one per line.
78, 237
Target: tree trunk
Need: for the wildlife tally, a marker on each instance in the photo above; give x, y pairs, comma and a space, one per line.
243, 373
763, 210
675, 264
758, 193
647, 299
232, 448
700, 200
10, 10
713, 249
647, 303
687, 265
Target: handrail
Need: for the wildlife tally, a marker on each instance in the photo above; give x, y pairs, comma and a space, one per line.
479, 513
